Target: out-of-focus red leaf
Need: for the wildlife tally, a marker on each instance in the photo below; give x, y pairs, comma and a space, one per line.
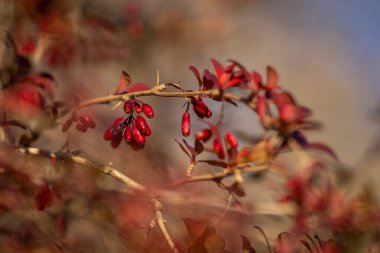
197, 75
272, 78
262, 107
292, 113
137, 87
219, 70
124, 81
321, 147
45, 197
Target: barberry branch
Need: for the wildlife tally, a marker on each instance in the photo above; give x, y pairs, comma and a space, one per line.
159, 92
109, 170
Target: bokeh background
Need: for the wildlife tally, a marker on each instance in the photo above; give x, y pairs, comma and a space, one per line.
326, 53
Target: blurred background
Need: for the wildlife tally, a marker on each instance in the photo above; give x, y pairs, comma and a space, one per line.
326, 53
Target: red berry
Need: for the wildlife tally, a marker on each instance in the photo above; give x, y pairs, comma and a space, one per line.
231, 140
217, 147
141, 124
108, 134
138, 136
185, 126
208, 114
137, 106
118, 121
128, 106
128, 134
148, 132
148, 110
117, 136
201, 109
203, 135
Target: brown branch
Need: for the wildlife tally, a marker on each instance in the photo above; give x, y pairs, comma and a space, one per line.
217, 176
159, 92
109, 170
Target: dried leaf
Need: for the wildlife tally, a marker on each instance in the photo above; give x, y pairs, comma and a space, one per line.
246, 248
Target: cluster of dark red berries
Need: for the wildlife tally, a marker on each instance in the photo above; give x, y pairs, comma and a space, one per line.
200, 109
133, 128
83, 122
230, 140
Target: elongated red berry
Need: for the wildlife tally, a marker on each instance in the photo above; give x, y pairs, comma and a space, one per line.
203, 135
148, 110
231, 140
128, 107
137, 106
108, 134
217, 147
128, 136
201, 109
117, 136
138, 136
185, 126
141, 124
148, 132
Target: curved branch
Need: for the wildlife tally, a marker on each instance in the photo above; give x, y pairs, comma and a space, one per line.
109, 170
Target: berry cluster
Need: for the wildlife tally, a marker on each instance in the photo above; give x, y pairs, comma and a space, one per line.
133, 128
200, 109
230, 140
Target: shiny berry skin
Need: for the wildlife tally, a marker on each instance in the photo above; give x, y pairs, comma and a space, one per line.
185, 126
148, 110
138, 136
137, 106
148, 132
128, 136
108, 134
203, 135
128, 107
141, 124
201, 109
117, 136
231, 140
217, 147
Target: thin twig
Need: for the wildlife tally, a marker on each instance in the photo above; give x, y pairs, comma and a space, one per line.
217, 176
109, 170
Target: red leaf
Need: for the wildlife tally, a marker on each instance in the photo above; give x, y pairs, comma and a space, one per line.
44, 197
219, 70
292, 113
321, 147
197, 74
124, 81
137, 87
272, 78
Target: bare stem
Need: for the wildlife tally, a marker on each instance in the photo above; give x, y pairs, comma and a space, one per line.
109, 170
217, 176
